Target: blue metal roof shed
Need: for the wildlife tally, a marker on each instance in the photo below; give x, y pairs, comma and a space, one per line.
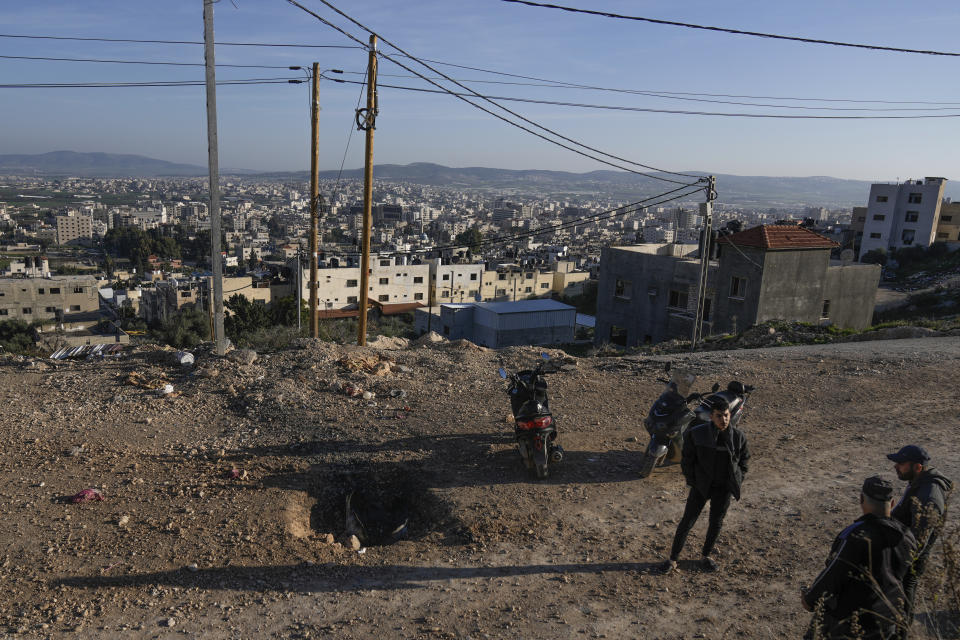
525, 322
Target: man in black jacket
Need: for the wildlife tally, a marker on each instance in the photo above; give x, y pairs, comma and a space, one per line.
920, 509
860, 592
715, 457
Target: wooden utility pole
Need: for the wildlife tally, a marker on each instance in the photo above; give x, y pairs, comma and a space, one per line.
706, 209
314, 195
220, 344
368, 124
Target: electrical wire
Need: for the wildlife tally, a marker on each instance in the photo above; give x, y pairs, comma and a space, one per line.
150, 62
496, 115
697, 113
738, 32
123, 85
219, 44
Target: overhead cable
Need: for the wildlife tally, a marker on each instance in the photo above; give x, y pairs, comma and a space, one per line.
219, 44
484, 109
739, 32
152, 62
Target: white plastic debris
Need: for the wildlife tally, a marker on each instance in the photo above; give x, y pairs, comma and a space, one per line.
185, 358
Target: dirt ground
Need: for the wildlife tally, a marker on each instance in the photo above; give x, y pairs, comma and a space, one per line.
179, 548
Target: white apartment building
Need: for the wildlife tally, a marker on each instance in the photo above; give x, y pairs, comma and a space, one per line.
902, 215
392, 280
455, 282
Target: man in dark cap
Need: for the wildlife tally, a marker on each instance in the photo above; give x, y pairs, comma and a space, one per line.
861, 589
920, 508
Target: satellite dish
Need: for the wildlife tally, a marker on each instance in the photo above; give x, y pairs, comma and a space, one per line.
846, 256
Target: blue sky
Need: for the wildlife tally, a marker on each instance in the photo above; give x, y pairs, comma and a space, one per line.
266, 127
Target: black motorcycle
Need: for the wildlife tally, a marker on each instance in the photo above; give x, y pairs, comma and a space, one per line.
670, 416
535, 428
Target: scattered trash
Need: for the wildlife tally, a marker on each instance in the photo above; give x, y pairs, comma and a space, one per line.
367, 395
237, 474
398, 393
185, 358
192, 567
169, 622
123, 521
73, 452
362, 550
154, 384
88, 351
87, 495
351, 390
167, 389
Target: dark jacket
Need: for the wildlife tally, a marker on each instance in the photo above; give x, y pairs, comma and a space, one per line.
864, 576
700, 457
922, 505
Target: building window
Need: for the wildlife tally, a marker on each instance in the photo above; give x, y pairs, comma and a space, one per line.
352, 283
528, 289
418, 296
185, 294
74, 307
384, 263
943, 234
879, 217
351, 299
881, 198
472, 292
78, 289
501, 276
544, 285
529, 276
501, 292
622, 289
618, 335
912, 216
738, 287
54, 290
473, 276
446, 276
915, 198
946, 218
26, 311
51, 309
41, 290
907, 236
417, 279
383, 297
444, 294
875, 235
3, 312
678, 299
384, 280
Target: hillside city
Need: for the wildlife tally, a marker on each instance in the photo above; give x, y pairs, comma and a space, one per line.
91, 261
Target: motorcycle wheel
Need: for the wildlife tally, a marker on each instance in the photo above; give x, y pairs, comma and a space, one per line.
541, 463
526, 454
542, 471
648, 464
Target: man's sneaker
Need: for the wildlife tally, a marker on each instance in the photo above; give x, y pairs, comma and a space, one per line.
708, 564
669, 566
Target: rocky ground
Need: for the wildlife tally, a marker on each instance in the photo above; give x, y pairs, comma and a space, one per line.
223, 502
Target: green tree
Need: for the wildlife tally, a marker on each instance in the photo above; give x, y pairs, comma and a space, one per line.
16, 336
245, 318
472, 238
875, 256
186, 330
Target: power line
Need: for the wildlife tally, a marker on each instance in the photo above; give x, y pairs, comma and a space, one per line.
739, 32
496, 115
151, 62
219, 44
696, 113
127, 85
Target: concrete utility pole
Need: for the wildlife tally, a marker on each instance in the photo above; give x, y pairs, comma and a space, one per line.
215, 259
314, 195
706, 210
368, 124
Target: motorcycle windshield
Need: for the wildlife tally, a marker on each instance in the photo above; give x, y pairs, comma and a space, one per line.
683, 380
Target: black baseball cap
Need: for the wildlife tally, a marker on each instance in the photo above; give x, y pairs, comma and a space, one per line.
877, 488
910, 453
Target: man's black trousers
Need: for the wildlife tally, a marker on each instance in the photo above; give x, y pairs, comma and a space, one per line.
719, 503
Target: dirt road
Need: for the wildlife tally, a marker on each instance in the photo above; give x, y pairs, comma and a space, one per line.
178, 548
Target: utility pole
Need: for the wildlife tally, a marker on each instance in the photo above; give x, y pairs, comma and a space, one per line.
314, 194
216, 260
368, 124
706, 210
299, 288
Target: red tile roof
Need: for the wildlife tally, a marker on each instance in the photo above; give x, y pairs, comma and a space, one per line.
779, 236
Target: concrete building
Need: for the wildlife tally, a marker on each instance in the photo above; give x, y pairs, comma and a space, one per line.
647, 293
948, 229
504, 324
54, 298
73, 227
165, 300
902, 215
28, 266
454, 282
515, 282
392, 280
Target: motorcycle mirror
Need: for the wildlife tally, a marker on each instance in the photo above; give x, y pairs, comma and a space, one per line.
502, 372
716, 385
545, 355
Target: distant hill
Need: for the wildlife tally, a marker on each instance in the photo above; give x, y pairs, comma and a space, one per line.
755, 191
